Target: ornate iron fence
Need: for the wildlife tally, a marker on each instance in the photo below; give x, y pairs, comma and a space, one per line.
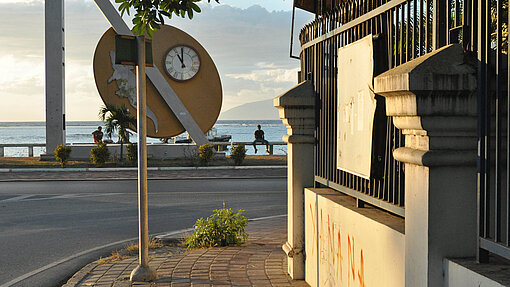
410, 29
405, 27
489, 23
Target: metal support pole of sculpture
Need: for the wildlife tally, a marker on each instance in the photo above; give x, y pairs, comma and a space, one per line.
142, 272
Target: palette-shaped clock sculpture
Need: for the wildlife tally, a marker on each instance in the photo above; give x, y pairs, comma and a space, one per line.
185, 65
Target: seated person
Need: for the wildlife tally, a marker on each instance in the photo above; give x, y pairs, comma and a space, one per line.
259, 139
98, 135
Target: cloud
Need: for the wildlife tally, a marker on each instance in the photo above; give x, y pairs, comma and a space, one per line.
271, 75
249, 45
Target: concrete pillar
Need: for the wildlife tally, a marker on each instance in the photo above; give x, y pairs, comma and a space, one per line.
297, 111
55, 61
432, 99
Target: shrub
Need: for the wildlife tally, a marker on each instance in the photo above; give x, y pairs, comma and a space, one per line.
238, 154
62, 154
100, 154
205, 153
222, 228
132, 152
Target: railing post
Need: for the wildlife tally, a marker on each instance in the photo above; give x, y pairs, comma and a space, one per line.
432, 99
30, 151
297, 111
2, 151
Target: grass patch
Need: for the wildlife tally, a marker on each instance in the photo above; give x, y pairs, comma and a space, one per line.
153, 244
115, 257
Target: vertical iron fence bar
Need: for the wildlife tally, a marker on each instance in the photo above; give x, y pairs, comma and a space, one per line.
499, 110
386, 160
460, 9
401, 173
400, 19
438, 23
466, 23
482, 255
474, 25
413, 45
389, 25
508, 141
331, 109
318, 69
408, 31
427, 26
396, 44
488, 116
450, 18
422, 27
393, 165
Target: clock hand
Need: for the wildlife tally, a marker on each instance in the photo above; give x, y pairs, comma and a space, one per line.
182, 58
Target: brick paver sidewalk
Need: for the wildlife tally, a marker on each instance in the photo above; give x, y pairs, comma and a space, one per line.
260, 262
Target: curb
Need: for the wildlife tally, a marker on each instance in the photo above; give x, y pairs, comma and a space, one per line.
169, 168
134, 178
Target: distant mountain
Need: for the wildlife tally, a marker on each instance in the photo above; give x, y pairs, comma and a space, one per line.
261, 110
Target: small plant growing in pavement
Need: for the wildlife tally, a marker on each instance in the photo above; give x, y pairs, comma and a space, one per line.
222, 228
115, 257
132, 152
62, 154
100, 154
238, 154
153, 244
205, 153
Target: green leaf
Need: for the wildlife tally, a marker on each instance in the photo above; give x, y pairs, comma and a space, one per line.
195, 7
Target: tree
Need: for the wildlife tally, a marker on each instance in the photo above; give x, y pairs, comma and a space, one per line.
117, 119
150, 13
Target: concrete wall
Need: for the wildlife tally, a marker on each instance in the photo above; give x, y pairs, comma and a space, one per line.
155, 151
458, 275
347, 246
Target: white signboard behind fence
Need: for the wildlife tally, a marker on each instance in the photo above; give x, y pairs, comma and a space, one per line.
356, 107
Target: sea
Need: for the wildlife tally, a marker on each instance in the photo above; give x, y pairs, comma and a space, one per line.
81, 132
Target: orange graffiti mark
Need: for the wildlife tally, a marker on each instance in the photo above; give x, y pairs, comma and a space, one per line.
312, 213
331, 240
339, 256
350, 257
361, 272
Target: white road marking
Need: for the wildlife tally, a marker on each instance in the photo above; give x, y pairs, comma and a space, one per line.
267, 217
27, 197
17, 198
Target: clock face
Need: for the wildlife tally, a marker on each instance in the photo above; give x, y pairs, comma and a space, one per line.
182, 63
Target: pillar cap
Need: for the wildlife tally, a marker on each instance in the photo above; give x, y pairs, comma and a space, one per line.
446, 69
302, 95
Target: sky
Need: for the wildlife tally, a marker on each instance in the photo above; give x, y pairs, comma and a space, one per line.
247, 39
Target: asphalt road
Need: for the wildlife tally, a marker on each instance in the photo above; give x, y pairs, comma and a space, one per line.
42, 223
